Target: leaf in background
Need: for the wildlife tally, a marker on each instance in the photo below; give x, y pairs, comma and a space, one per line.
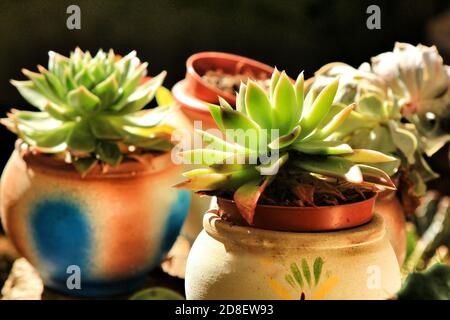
164, 96
432, 284
405, 141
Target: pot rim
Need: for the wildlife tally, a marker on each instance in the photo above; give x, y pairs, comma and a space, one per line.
192, 72
284, 218
269, 206
189, 101
154, 163
250, 236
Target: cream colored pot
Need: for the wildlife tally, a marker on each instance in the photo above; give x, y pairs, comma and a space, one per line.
235, 262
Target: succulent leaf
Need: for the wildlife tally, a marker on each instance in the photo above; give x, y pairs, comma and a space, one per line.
284, 104
319, 108
323, 147
258, 106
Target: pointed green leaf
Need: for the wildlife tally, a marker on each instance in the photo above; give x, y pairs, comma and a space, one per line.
84, 165
376, 176
320, 107
107, 90
164, 96
331, 126
246, 197
331, 166
273, 82
205, 156
368, 156
322, 147
241, 129
83, 100
30, 93
81, 137
285, 104
109, 153
258, 105
286, 140
240, 99
299, 95
216, 114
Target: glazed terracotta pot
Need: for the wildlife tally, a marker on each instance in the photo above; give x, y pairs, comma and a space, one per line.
389, 207
229, 261
193, 93
113, 226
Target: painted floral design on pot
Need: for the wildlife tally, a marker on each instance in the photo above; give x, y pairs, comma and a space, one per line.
357, 263
114, 226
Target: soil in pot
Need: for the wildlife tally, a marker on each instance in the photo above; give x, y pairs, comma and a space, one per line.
230, 83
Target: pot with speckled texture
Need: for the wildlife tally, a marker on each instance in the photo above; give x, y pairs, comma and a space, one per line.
229, 261
113, 226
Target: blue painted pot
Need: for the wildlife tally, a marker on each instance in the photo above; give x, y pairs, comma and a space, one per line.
93, 236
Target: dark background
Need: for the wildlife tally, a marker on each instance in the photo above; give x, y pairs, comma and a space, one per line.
293, 35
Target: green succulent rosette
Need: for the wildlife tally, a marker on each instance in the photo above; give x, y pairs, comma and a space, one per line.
248, 157
91, 109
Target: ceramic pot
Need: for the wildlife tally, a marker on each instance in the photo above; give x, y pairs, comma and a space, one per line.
112, 227
229, 261
389, 207
193, 93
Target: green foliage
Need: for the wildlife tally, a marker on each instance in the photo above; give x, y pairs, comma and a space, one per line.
432, 284
90, 107
304, 140
375, 122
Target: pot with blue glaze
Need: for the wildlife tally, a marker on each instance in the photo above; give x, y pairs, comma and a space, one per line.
112, 227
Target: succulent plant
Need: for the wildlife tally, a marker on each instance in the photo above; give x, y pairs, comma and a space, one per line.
376, 123
421, 84
91, 108
246, 159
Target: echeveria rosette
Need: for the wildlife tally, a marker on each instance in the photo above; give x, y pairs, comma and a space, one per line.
420, 82
91, 108
304, 143
376, 121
